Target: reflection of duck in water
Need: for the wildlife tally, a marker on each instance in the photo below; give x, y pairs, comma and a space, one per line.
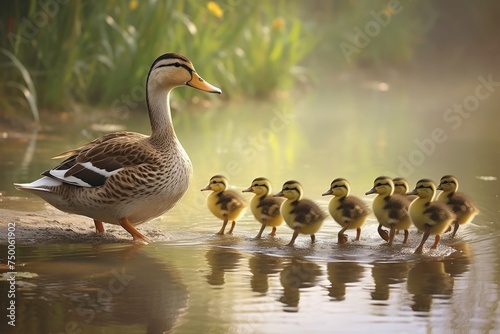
113, 284
297, 275
261, 266
386, 274
427, 279
340, 274
220, 260
458, 262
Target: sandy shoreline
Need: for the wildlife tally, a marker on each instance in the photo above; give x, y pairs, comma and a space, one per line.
53, 226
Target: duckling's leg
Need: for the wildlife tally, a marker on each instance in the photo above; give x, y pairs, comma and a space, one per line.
436, 241
342, 238
407, 234
313, 238
392, 233
273, 232
260, 232
221, 231
383, 233
420, 247
455, 228
358, 233
131, 229
99, 228
233, 224
295, 235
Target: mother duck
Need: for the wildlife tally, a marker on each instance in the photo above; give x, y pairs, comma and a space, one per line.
127, 178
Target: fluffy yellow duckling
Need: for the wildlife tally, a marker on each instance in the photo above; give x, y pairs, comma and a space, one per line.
461, 205
265, 208
390, 209
350, 212
301, 215
401, 187
224, 204
428, 216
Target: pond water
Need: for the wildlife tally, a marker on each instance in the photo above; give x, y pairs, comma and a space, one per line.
190, 280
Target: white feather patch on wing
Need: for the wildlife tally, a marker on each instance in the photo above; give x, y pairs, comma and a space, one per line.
59, 174
40, 184
101, 171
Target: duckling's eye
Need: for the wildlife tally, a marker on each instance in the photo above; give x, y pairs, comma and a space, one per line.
380, 184
177, 64
214, 182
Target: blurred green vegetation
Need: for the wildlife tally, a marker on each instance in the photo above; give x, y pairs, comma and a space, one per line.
57, 54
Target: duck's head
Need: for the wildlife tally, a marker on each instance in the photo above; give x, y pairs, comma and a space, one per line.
291, 190
424, 188
260, 186
401, 186
172, 70
217, 183
383, 185
448, 184
339, 187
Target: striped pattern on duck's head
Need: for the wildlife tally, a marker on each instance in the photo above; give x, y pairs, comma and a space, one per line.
383, 185
217, 183
448, 184
425, 188
291, 190
339, 187
260, 186
401, 186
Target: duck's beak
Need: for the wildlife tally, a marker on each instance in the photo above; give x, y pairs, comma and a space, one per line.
280, 194
413, 192
371, 191
248, 190
198, 83
328, 192
206, 188
439, 187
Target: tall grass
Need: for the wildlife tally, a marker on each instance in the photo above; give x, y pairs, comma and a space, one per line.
98, 52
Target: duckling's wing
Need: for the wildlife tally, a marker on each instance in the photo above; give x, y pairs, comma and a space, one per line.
229, 201
353, 208
270, 206
460, 203
307, 212
396, 208
93, 163
438, 212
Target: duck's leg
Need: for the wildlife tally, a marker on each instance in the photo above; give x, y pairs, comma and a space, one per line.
295, 234
131, 229
99, 228
420, 247
455, 228
436, 241
259, 235
407, 234
342, 238
221, 231
313, 238
358, 233
273, 232
233, 224
383, 233
392, 233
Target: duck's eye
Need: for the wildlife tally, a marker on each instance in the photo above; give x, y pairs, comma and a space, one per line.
379, 184
214, 182
177, 64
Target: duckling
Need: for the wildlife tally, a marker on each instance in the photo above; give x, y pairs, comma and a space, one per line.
127, 178
350, 212
390, 209
461, 205
224, 204
265, 208
301, 215
401, 187
428, 216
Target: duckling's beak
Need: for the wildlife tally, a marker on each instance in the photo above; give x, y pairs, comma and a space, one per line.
280, 194
413, 192
328, 192
439, 187
197, 82
206, 188
248, 190
371, 191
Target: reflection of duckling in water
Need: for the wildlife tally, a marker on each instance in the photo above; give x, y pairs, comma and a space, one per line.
386, 274
432, 218
390, 209
426, 279
461, 205
350, 212
340, 274
458, 262
295, 276
261, 266
265, 207
220, 260
301, 215
224, 204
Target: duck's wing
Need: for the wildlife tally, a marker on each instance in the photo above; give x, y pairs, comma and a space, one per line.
307, 212
93, 163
